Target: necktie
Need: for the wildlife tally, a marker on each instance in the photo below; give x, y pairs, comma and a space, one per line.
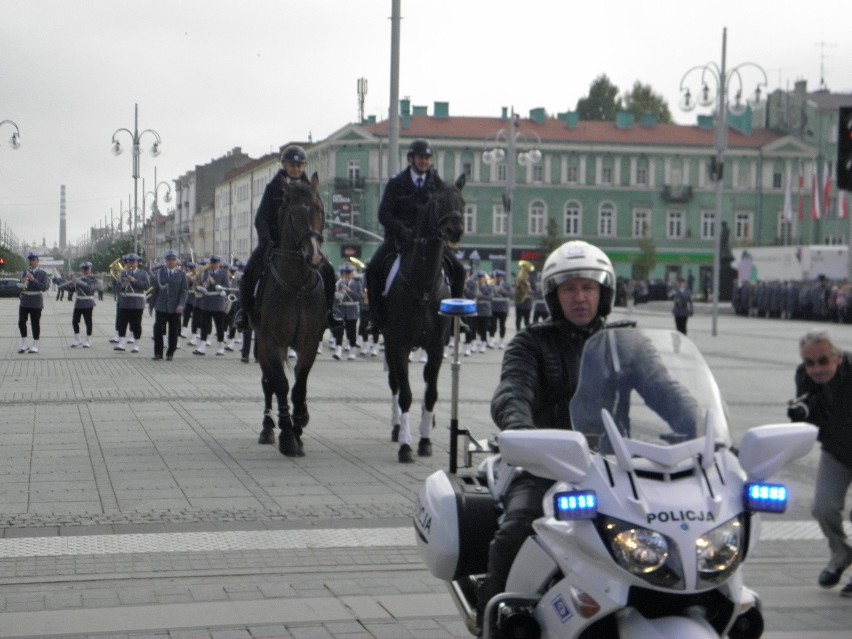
419, 182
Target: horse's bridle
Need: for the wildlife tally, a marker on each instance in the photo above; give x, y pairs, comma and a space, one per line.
298, 242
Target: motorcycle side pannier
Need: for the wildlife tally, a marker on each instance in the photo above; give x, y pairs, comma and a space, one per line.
455, 519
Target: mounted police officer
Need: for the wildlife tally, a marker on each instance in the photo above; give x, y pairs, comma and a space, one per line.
85, 287
132, 285
168, 297
294, 159
405, 195
34, 282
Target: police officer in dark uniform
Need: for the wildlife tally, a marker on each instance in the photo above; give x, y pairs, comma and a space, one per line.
168, 298
294, 159
404, 195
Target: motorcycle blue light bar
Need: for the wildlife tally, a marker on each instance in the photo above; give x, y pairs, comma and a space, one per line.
769, 498
575, 504
458, 306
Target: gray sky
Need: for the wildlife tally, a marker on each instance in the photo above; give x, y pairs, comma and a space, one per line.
210, 75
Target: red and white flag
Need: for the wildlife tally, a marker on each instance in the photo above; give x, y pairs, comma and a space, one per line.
816, 213
801, 194
826, 190
788, 196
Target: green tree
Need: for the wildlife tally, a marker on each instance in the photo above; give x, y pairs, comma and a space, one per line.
646, 260
551, 241
602, 103
641, 100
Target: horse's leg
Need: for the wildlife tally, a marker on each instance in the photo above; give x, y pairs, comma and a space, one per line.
267, 434
298, 396
395, 414
271, 362
430, 396
397, 360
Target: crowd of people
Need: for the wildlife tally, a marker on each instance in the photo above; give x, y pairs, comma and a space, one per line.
820, 300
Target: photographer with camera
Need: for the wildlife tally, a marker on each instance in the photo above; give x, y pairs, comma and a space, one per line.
824, 398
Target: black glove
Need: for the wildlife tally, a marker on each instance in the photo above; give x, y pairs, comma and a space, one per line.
798, 411
404, 235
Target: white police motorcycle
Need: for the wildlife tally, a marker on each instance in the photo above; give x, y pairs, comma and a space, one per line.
650, 515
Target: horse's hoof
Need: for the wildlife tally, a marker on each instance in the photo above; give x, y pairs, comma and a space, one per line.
395, 433
424, 448
300, 447
287, 444
405, 454
267, 436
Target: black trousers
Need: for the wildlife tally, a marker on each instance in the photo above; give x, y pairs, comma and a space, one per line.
34, 315
208, 319
522, 315
162, 322
187, 313
132, 318
86, 314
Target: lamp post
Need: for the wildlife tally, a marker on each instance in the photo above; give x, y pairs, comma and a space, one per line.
155, 209
723, 78
136, 136
495, 157
15, 140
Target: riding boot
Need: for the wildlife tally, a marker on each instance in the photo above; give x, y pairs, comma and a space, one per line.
241, 317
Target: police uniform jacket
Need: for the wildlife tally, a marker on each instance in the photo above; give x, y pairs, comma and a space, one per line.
131, 295
170, 290
500, 303
401, 199
32, 294
348, 294
216, 300
84, 291
830, 407
483, 296
266, 218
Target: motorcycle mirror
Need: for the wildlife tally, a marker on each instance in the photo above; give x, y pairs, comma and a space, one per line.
765, 449
551, 453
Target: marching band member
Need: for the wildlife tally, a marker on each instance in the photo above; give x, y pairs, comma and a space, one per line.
231, 308
499, 309
84, 301
167, 298
483, 295
131, 303
188, 307
348, 292
214, 305
34, 283
199, 304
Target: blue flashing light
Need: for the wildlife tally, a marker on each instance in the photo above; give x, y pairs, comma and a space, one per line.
769, 498
458, 306
575, 504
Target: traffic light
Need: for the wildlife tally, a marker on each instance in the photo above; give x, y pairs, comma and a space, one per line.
844, 149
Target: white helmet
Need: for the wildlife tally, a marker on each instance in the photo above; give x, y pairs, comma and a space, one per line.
578, 259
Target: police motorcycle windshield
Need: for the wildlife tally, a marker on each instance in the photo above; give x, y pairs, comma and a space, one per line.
654, 384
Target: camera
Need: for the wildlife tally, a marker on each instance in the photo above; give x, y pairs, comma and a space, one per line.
798, 409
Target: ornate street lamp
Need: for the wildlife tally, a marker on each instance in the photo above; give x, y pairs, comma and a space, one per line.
712, 74
495, 156
15, 140
136, 136
155, 209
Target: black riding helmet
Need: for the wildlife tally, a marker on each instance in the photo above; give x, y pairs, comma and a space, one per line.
295, 154
419, 147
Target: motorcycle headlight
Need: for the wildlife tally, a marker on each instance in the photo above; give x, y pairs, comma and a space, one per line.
643, 552
719, 552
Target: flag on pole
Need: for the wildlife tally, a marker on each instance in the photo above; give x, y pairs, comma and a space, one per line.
815, 210
788, 196
801, 194
842, 207
826, 190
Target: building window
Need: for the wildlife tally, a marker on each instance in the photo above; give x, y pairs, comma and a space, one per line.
606, 221
642, 175
470, 219
538, 173
502, 172
674, 225
498, 220
353, 171
606, 175
708, 225
641, 223
467, 169
537, 214
573, 172
777, 180
743, 226
571, 219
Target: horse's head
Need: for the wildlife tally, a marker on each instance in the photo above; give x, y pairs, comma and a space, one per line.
301, 220
444, 214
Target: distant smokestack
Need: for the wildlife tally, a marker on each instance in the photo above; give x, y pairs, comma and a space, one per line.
62, 217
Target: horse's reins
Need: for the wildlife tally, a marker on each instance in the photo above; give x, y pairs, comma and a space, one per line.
296, 252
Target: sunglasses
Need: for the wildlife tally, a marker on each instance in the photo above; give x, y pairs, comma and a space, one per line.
822, 361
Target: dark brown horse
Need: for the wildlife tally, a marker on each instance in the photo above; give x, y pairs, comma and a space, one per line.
411, 308
292, 313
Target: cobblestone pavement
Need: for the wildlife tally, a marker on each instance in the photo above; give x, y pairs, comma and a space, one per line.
135, 501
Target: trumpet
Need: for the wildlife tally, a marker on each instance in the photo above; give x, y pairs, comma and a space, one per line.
357, 263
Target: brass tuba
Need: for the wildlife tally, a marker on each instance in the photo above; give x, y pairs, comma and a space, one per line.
522, 287
116, 268
357, 263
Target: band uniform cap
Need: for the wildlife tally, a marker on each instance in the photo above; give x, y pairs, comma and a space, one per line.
85, 265
347, 268
232, 267
215, 258
499, 273
32, 255
171, 255
132, 257
480, 274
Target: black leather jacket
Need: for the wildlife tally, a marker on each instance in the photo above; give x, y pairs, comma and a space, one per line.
539, 375
266, 219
